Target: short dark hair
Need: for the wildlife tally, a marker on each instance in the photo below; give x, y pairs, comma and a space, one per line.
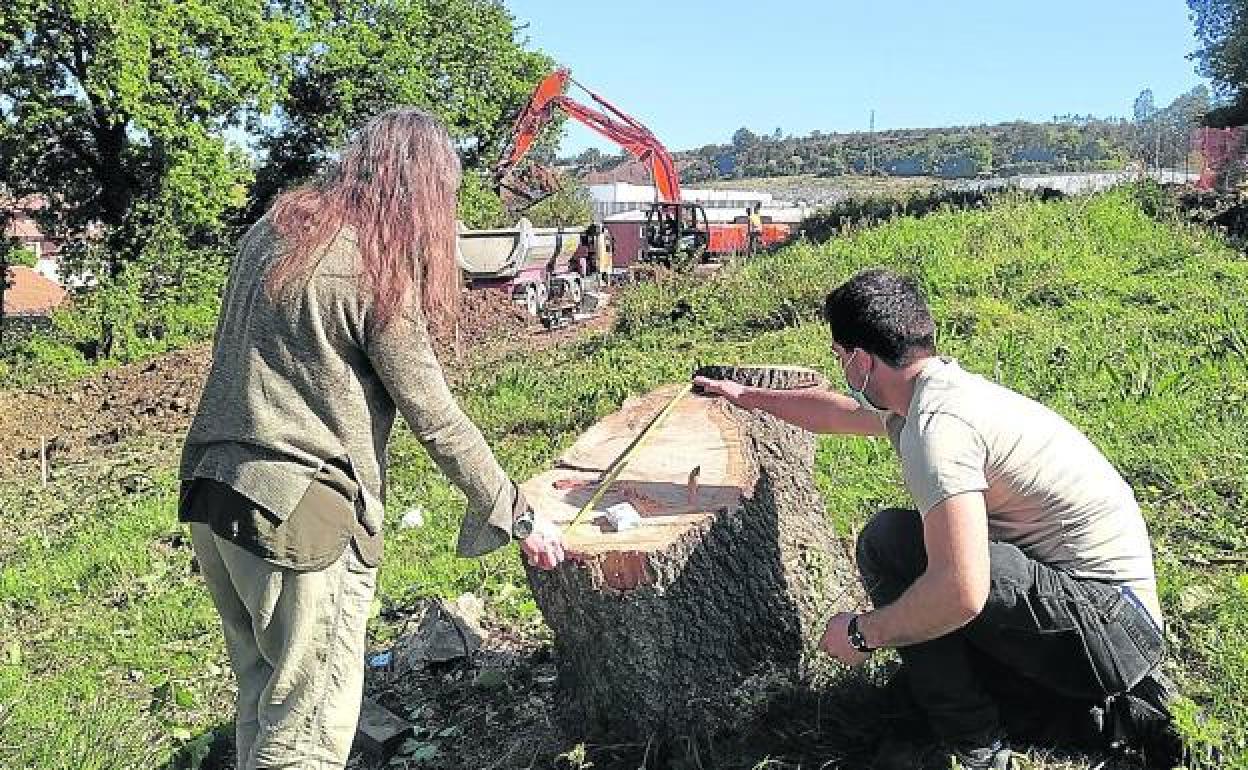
883, 313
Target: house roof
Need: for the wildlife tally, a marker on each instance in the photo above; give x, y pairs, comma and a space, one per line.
31, 294
24, 227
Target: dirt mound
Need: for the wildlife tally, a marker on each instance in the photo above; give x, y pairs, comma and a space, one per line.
484, 314
155, 396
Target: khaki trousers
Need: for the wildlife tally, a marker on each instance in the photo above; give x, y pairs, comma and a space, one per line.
296, 644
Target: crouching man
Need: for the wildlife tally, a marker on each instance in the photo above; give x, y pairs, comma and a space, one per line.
1026, 554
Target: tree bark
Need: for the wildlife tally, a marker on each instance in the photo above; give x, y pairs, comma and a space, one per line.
667, 629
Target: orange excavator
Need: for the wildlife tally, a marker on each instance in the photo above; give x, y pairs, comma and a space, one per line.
676, 233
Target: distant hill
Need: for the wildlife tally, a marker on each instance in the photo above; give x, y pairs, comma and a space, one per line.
1153, 137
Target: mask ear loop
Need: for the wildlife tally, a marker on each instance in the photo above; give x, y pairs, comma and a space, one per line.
865, 379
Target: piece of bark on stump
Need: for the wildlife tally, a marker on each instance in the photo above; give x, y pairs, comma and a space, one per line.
731, 576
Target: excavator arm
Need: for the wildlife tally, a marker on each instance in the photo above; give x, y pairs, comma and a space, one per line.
609, 121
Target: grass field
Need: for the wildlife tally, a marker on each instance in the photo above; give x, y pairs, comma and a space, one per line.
1135, 330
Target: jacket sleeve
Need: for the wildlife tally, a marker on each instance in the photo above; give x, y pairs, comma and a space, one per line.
403, 357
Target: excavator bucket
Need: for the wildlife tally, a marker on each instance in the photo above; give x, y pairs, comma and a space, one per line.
527, 187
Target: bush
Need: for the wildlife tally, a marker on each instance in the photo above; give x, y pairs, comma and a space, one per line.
857, 213
135, 316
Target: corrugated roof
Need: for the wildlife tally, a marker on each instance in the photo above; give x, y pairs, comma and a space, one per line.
31, 294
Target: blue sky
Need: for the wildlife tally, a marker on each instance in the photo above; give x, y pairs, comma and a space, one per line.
694, 71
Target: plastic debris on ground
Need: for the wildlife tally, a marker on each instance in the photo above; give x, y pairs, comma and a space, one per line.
412, 518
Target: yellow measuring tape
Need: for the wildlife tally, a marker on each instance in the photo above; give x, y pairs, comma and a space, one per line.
618, 466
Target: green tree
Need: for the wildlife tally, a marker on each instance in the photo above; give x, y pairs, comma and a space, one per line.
743, 138
570, 205
118, 112
463, 60
115, 111
980, 153
592, 156
1144, 107
480, 208
1176, 121
1222, 29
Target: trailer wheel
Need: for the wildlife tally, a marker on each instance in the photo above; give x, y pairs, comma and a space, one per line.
527, 299
576, 290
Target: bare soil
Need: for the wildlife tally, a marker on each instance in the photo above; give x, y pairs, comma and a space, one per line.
159, 396
156, 396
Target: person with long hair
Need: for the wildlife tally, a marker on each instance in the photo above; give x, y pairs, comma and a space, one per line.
325, 331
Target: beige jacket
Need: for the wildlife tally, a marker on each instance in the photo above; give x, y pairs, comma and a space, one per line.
302, 381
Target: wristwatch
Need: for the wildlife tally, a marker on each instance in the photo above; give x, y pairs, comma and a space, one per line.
522, 524
521, 515
856, 639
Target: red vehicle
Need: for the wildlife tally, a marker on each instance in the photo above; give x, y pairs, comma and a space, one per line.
676, 233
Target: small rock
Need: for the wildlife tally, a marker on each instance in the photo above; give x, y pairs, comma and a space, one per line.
1195, 598
471, 607
136, 483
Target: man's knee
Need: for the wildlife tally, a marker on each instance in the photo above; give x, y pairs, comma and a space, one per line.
890, 543
887, 530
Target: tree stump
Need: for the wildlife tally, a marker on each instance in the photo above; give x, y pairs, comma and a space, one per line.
660, 630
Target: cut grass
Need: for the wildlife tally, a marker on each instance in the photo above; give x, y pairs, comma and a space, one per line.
1133, 329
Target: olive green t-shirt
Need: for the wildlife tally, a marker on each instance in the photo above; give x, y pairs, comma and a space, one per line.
1047, 489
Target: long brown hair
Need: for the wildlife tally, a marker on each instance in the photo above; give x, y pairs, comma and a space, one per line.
394, 184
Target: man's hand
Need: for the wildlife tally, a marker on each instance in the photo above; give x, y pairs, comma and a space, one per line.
543, 548
835, 641
729, 390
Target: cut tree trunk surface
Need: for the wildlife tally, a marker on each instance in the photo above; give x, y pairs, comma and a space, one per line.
729, 577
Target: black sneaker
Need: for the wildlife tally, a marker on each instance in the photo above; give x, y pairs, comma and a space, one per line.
1139, 722
994, 756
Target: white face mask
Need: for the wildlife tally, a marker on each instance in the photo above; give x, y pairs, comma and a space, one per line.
860, 394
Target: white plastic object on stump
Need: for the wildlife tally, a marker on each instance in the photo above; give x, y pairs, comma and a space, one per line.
623, 516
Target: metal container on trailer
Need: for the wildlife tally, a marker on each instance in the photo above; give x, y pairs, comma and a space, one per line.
508, 252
